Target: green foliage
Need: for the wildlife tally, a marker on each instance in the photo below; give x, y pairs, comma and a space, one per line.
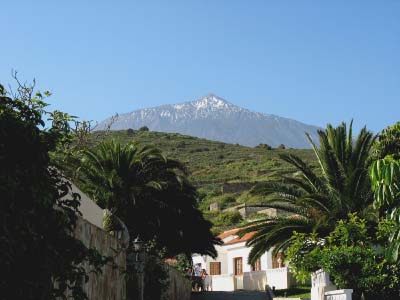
302, 256
318, 198
227, 218
183, 262
38, 211
224, 200
130, 132
351, 255
264, 146
385, 178
300, 291
210, 173
388, 142
156, 279
149, 193
144, 128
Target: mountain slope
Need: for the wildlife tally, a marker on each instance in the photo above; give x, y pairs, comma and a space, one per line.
216, 119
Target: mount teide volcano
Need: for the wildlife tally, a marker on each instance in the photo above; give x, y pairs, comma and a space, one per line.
216, 119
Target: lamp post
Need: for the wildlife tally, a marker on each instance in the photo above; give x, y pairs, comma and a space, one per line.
137, 259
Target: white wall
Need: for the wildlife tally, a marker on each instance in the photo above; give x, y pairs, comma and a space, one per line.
205, 260
199, 259
320, 283
339, 295
254, 281
91, 212
280, 278
224, 282
240, 250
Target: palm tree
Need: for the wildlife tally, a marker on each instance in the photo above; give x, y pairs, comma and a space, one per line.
316, 199
149, 193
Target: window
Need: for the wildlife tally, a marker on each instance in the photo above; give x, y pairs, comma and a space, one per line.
215, 268
256, 266
278, 261
238, 265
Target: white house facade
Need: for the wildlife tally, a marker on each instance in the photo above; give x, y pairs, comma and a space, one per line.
230, 269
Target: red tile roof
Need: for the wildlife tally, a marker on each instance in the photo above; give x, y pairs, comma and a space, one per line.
235, 240
225, 234
244, 238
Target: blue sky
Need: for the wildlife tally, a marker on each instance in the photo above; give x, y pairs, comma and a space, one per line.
314, 61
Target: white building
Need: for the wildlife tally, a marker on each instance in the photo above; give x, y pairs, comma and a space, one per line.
231, 271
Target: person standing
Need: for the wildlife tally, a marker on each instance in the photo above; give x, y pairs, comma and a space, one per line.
207, 283
197, 277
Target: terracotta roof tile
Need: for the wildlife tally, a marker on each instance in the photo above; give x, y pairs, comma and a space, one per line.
225, 234
244, 238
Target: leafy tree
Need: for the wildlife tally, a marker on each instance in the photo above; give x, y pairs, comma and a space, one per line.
149, 193
40, 258
388, 142
281, 147
385, 177
144, 128
353, 257
130, 132
316, 198
264, 146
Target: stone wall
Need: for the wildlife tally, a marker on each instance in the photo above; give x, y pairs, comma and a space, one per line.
110, 284
236, 187
179, 287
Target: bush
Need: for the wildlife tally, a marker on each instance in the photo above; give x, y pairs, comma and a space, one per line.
352, 256
281, 147
144, 128
225, 200
227, 218
38, 212
264, 146
130, 132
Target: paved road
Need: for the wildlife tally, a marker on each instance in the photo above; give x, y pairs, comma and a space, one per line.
238, 295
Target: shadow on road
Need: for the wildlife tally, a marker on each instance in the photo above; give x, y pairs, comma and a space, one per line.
237, 295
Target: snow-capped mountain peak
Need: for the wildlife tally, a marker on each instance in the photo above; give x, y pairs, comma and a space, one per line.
214, 118
211, 101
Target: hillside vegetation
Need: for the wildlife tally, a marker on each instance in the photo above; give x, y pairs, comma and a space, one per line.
223, 173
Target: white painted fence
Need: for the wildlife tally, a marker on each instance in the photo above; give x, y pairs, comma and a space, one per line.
320, 284
225, 282
280, 278
339, 295
254, 281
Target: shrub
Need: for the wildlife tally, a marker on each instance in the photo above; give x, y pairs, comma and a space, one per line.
38, 212
352, 257
281, 147
130, 132
264, 146
144, 128
227, 218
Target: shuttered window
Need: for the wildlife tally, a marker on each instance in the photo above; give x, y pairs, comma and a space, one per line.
256, 266
238, 264
215, 268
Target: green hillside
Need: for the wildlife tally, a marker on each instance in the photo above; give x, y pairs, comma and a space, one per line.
223, 173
